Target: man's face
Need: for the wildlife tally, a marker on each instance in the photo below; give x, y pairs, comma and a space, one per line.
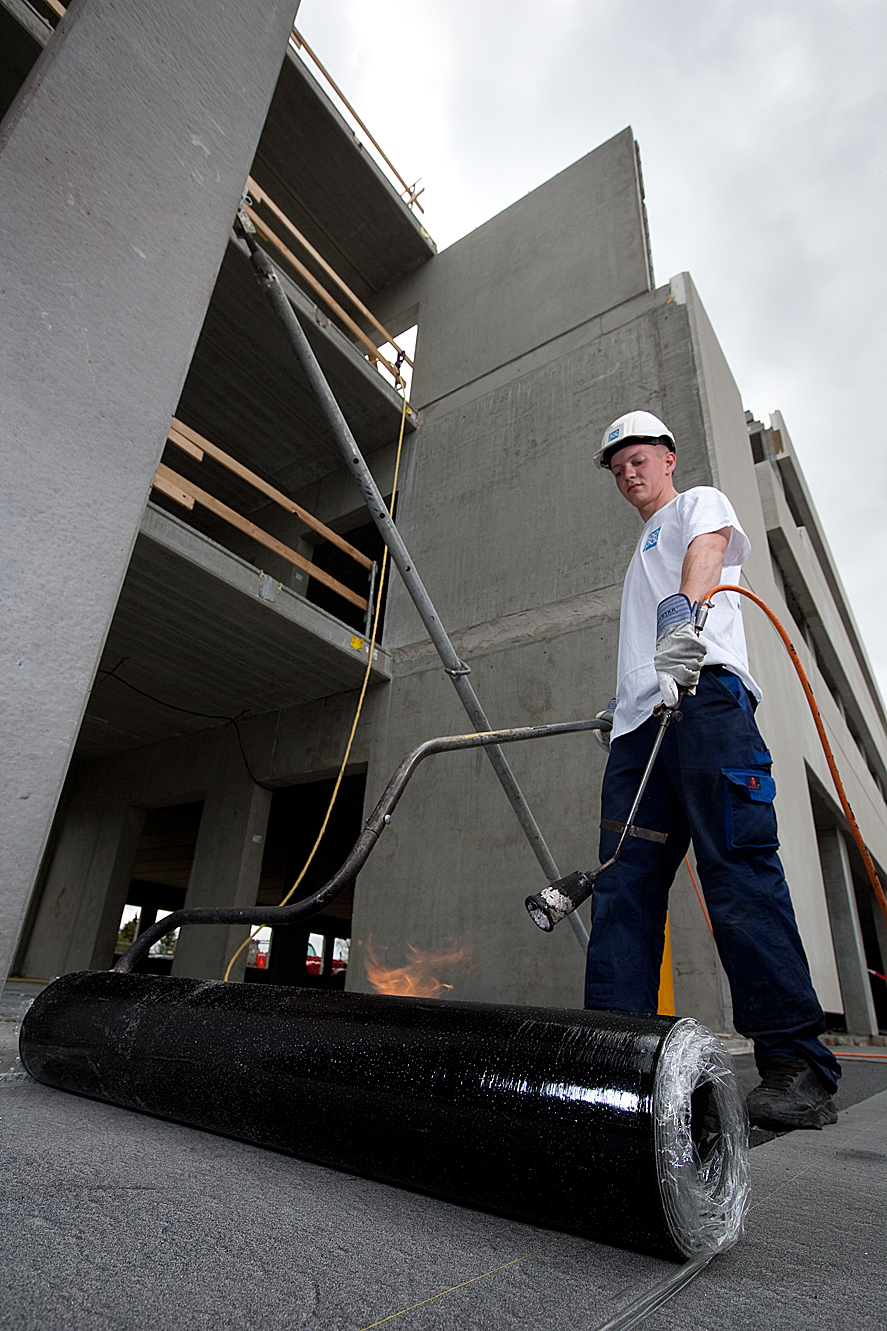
643, 473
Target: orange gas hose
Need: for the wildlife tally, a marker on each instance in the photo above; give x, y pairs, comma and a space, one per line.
820, 728
698, 893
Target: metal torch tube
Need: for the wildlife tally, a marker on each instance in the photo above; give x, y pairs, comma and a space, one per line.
668, 715
373, 828
559, 900
354, 460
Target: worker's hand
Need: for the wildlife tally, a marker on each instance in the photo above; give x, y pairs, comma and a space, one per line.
603, 736
679, 650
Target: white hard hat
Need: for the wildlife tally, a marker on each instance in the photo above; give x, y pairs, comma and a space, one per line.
634, 425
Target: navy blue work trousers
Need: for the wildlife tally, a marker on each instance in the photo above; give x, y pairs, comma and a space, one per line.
711, 783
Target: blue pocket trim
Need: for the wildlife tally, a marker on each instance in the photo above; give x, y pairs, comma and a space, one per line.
757, 784
749, 816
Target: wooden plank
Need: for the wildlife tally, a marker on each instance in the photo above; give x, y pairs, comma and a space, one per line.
300, 41
261, 197
272, 238
172, 491
164, 474
193, 450
179, 430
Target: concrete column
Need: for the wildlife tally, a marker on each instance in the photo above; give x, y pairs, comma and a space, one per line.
856, 991
121, 163
226, 870
86, 885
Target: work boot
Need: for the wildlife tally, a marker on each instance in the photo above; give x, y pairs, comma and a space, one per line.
791, 1095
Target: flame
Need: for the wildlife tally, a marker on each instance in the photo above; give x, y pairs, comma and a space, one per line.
415, 979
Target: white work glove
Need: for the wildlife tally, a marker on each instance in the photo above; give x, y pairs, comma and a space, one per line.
603, 736
680, 651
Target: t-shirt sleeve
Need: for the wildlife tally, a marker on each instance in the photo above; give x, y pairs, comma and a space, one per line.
705, 510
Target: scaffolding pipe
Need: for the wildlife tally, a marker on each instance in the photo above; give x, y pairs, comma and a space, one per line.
354, 460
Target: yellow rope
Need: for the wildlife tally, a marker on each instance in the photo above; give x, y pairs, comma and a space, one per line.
360, 701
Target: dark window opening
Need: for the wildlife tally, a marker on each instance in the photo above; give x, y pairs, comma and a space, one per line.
826, 816
876, 962
757, 446
159, 881
794, 608
790, 498
312, 953
341, 566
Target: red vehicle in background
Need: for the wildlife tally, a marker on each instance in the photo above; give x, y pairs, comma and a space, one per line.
312, 964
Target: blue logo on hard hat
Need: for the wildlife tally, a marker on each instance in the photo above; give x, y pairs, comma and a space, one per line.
614, 434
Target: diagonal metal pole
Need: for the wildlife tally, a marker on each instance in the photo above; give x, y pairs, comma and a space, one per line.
354, 460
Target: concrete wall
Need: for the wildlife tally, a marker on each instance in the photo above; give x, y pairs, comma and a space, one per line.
121, 163
760, 501
572, 248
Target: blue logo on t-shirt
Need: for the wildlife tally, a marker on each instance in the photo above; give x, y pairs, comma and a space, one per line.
652, 539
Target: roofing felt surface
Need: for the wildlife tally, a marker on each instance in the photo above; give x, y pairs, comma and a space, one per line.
114, 1219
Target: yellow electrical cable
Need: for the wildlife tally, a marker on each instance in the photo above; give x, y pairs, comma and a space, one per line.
360, 701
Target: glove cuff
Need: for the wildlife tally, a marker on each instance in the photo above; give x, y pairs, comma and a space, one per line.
674, 610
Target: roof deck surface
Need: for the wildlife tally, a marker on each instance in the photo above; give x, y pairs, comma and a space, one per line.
115, 1219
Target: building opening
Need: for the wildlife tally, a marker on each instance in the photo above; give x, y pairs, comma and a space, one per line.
342, 567
313, 953
160, 879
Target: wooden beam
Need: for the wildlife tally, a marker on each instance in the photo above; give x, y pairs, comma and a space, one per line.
261, 197
181, 441
272, 238
166, 486
165, 477
300, 41
185, 438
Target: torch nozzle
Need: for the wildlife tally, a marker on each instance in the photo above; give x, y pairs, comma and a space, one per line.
548, 907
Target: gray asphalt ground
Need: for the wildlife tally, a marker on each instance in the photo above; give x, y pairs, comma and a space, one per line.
110, 1219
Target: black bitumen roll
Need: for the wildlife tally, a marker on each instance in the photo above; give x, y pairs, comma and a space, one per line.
624, 1129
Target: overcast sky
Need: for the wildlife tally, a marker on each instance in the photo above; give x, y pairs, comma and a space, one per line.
762, 131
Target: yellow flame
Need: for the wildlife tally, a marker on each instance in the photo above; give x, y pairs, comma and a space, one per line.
415, 979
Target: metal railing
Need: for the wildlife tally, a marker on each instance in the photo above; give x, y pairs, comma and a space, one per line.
410, 191
186, 493
255, 195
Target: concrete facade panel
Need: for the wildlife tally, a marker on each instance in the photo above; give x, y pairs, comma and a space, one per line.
122, 204
512, 514
565, 252
454, 866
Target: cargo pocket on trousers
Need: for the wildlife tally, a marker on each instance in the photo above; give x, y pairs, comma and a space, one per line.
748, 809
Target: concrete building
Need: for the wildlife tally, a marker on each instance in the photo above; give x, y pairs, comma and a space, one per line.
183, 690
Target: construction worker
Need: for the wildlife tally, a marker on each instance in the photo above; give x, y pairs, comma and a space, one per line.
711, 784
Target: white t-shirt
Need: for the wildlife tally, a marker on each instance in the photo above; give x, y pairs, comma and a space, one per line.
653, 574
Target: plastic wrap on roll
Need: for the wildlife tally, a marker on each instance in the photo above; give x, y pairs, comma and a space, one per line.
628, 1130
701, 1136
